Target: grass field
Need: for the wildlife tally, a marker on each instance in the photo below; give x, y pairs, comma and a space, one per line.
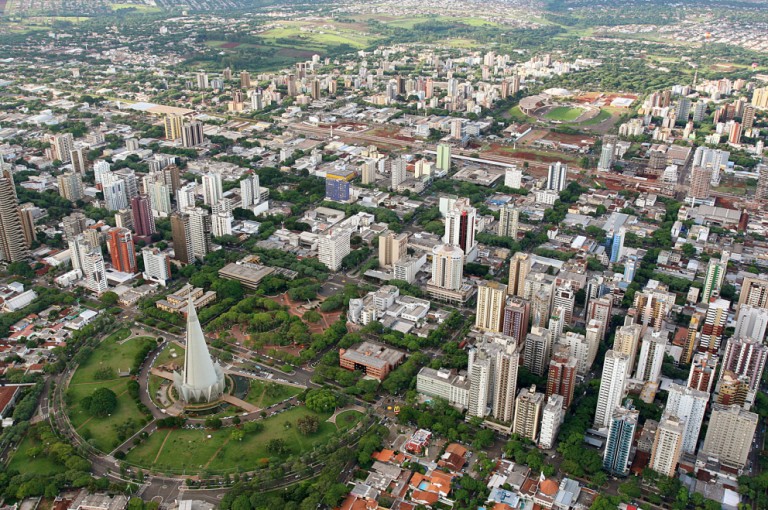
138, 7
564, 114
517, 115
166, 356
192, 450
263, 394
601, 117
40, 465
115, 356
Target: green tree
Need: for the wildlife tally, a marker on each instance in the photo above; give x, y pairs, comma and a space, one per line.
101, 403
321, 400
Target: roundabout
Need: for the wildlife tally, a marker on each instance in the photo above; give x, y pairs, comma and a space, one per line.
250, 424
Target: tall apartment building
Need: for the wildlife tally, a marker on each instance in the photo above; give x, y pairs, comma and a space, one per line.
517, 312
565, 299
14, 245
62, 146
443, 162
399, 172
143, 220
701, 178
519, 267
729, 435
492, 370
333, 246
751, 322
509, 217
746, 357
714, 325
557, 176
70, 186
115, 193
690, 406
182, 240
122, 250
538, 350
460, 227
250, 191
552, 417
78, 160
692, 337
212, 188
626, 340
600, 309
73, 225
447, 267
392, 248
528, 407
667, 445
612, 383
491, 299
157, 266
579, 349
618, 446
702, 373
651, 357
192, 134
714, 277
653, 304
754, 291
561, 376
174, 126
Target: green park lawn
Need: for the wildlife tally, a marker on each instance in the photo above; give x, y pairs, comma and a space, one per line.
40, 465
263, 394
110, 354
564, 114
193, 451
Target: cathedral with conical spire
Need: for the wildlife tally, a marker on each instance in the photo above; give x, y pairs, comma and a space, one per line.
202, 379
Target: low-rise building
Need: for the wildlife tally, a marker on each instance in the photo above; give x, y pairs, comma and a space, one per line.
374, 360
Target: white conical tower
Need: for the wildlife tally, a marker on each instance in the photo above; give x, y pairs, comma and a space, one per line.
202, 380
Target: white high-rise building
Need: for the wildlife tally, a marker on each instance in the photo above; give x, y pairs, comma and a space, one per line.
651, 357
212, 188
333, 247
185, 196
513, 178
460, 225
94, 271
565, 298
557, 176
551, 418
612, 383
751, 322
399, 172
100, 169
480, 384
250, 191
447, 267
221, 223
157, 266
160, 199
115, 197
690, 405
713, 280
579, 349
